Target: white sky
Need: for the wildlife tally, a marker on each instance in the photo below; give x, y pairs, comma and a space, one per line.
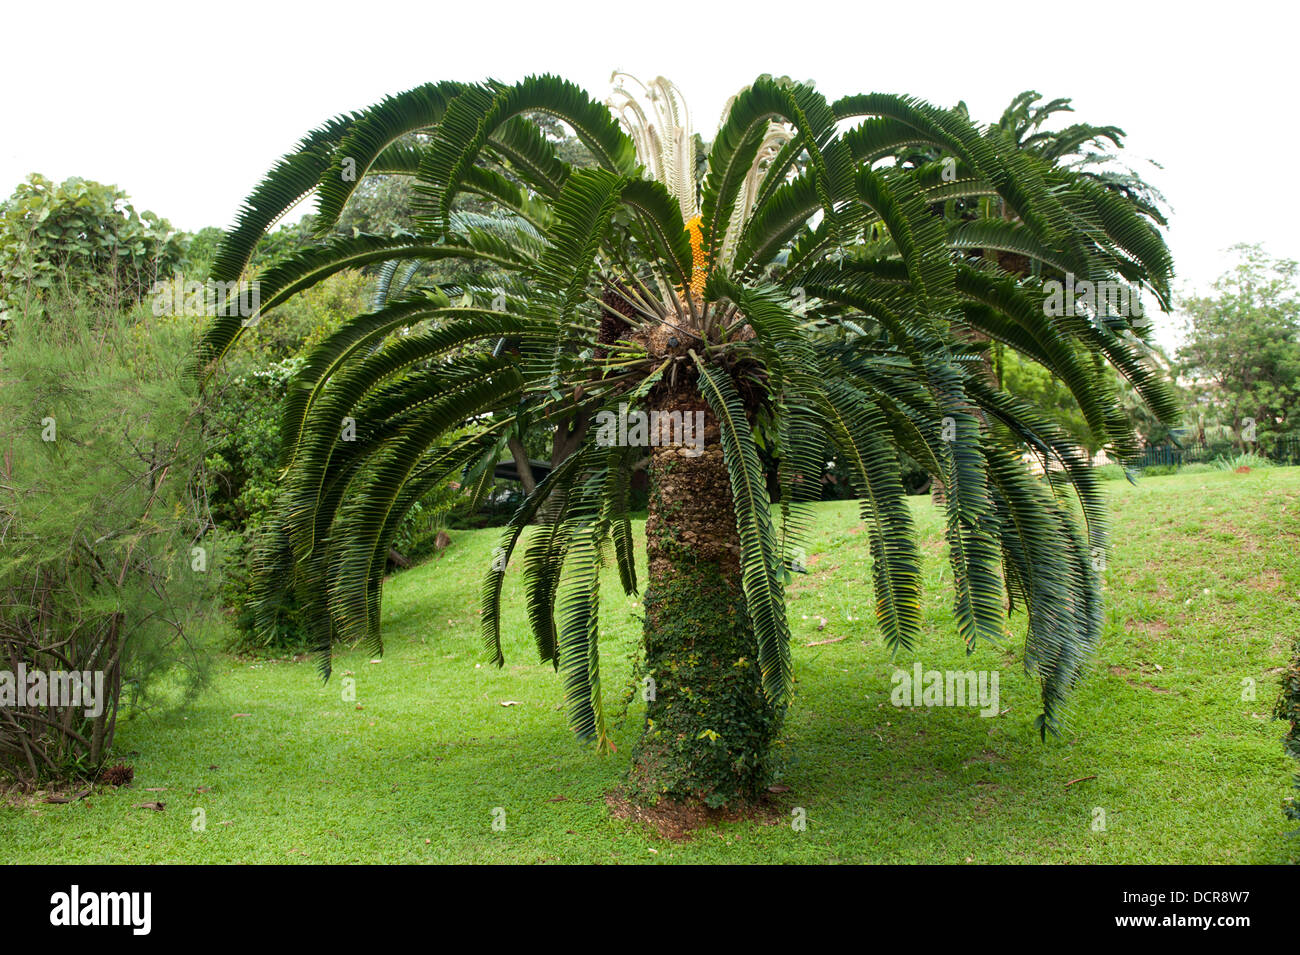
185, 105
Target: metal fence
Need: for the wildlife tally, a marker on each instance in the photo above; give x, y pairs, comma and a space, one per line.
1283, 450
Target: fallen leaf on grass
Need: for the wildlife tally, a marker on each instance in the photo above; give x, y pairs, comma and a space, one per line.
155, 806
59, 798
820, 643
510, 703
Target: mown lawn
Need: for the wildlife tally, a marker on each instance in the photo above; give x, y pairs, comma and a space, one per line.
1203, 592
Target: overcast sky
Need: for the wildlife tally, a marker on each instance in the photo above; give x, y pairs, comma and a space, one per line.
185, 106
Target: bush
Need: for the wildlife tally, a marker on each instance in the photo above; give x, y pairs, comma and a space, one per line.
1160, 470
80, 235
1288, 708
105, 570
1233, 462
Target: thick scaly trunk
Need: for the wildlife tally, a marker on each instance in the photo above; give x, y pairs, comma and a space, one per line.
709, 730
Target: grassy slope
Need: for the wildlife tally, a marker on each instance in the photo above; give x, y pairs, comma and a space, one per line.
1202, 594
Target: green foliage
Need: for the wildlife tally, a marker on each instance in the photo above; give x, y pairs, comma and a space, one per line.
1243, 349
81, 235
101, 507
242, 429
242, 455
283, 243
827, 305
244, 443
1036, 385
1248, 460
200, 250
409, 777
708, 728
242, 425
1288, 709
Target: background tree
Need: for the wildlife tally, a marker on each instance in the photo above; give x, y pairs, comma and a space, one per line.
1242, 348
800, 297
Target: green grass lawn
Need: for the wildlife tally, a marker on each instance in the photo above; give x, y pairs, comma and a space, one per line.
1202, 594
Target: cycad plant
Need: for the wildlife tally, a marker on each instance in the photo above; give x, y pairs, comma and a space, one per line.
792, 292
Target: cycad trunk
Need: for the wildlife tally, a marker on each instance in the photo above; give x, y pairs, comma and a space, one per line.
709, 730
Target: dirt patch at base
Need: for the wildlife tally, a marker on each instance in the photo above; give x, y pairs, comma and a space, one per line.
678, 822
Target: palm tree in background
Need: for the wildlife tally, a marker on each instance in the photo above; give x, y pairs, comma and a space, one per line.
793, 289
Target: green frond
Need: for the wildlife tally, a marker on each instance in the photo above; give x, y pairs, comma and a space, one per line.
558, 481
375, 131
760, 557
370, 508
291, 180
480, 111
577, 647
898, 227
862, 434
795, 381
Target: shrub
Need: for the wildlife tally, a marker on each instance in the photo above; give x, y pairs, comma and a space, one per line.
80, 235
242, 429
1288, 708
1233, 462
105, 569
1160, 470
